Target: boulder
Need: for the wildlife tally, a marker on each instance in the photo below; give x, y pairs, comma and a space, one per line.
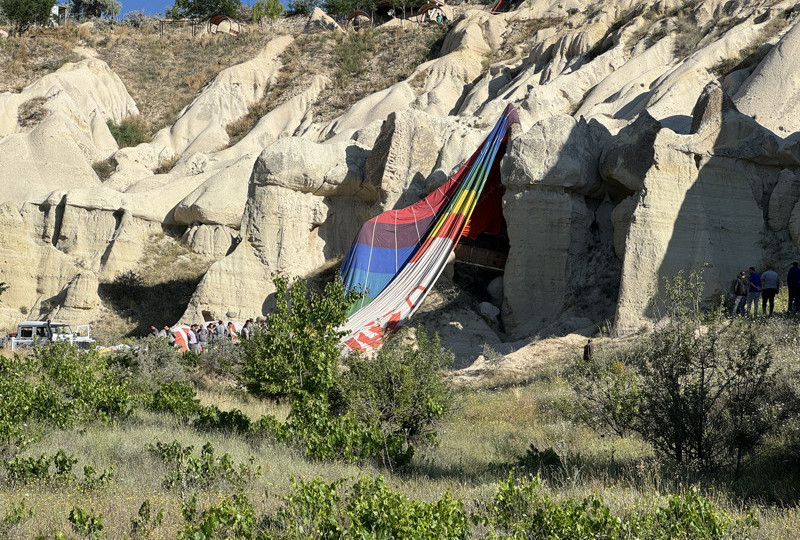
319, 21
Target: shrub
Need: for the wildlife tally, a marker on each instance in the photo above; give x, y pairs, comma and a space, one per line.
177, 397
32, 112
203, 9
369, 509
401, 390
233, 517
186, 470
536, 461
267, 9
700, 392
352, 54
104, 168
375, 511
131, 131
87, 524
233, 421
520, 509
58, 386
166, 165
300, 351
23, 13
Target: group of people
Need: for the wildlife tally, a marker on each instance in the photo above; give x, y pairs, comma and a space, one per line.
751, 286
199, 336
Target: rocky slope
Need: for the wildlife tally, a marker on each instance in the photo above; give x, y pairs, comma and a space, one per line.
655, 137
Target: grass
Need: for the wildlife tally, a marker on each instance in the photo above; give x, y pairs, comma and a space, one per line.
32, 112
358, 63
489, 432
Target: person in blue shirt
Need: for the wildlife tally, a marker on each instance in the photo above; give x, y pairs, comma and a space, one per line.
793, 284
755, 291
770, 285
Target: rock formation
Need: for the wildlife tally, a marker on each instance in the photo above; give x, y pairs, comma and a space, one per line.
649, 144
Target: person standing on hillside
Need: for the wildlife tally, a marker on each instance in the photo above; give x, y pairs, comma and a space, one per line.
755, 291
793, 284
740, 287
770, 284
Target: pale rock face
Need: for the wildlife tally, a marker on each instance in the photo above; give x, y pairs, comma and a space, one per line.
562, 160
699, 203
375, 106
794, 226
772, 93
87, 91
55, 145
478, 31
237, 284
415, 153
81, 296
216, 241
285, 120
319, 21
220, 199
783, 199
495, 291
561, 263
306, 201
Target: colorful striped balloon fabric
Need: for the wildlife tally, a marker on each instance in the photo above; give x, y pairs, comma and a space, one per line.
398, 255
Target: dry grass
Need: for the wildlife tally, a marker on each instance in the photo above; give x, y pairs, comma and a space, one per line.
25, 59
32, 112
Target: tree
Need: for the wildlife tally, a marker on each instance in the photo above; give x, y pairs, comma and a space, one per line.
269, 9
3, 287
302, 7
96, 8
23, 13
338, 7
203, 9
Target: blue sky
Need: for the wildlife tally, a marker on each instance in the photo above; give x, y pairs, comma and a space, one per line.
152, 7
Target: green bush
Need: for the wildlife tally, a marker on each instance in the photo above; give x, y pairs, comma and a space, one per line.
23, 470
369, 509
104, 168
87, 524
375, 511
699, 391
148, 363
536, 461
131, 131
302, 7
233, 517
57, 386
23, 13
402, 391
177, 397
520, 509
300, 351
213, 419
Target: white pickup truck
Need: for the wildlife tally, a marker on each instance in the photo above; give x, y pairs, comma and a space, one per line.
46, 332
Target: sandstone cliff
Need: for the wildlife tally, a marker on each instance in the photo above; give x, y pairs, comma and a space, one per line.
654, 138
